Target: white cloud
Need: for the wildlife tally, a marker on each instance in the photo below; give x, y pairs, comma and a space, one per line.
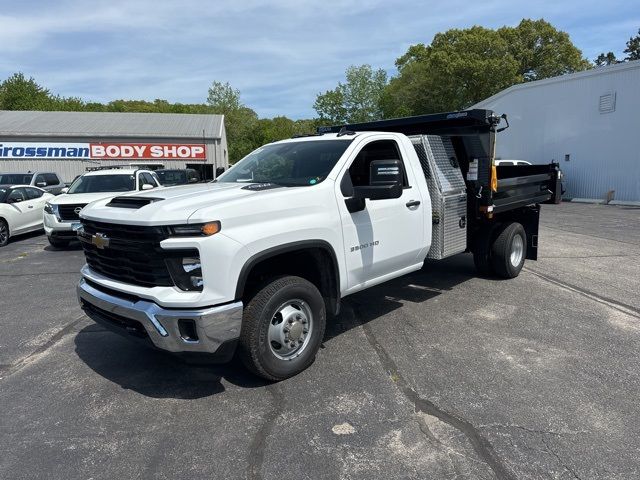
280, 54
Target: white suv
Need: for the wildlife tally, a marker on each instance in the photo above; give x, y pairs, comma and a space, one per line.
61, 213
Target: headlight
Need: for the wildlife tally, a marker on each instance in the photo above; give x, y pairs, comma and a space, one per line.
196, 229
51, 209
186, 272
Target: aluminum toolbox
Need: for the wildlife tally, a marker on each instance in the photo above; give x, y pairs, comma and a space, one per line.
448, 194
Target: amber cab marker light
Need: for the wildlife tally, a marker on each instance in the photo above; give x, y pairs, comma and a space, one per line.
211, 228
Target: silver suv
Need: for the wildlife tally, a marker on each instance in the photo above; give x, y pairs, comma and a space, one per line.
48, 181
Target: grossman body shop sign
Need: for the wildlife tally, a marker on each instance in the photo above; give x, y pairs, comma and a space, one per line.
102, 151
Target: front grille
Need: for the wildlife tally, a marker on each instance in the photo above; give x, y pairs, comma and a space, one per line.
68, 212
133, 254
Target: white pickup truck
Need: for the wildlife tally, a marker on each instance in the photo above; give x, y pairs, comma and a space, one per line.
255, 262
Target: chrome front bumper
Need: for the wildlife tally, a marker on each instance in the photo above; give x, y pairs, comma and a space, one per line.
214, 326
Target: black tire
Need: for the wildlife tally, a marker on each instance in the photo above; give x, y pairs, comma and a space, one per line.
509, 250
58, 243
482, 254
4, 232
254, 348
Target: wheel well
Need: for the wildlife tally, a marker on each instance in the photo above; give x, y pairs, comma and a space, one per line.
316, 264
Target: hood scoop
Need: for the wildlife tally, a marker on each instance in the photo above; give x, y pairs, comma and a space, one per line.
132, 202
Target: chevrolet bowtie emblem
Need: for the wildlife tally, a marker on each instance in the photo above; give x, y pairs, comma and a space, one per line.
100, 240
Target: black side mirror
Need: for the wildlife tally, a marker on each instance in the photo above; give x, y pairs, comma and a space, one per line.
14, 200
385, 181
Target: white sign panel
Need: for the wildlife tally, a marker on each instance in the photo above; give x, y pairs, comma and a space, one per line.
33, 150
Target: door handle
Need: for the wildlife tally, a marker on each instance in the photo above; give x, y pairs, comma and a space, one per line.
29, 206
413, 203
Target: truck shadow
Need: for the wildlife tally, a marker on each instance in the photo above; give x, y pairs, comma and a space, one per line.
158, 374
153, 373
434, 279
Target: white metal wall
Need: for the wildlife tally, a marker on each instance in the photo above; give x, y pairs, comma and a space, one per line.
557, 117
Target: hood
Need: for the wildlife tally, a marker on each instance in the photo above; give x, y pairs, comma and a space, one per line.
81, 198
175, 205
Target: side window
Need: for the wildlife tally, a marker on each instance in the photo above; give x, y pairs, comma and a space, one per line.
40, 181
378, 150
146, 179
33, 193
51, 179
17, 195
155, 179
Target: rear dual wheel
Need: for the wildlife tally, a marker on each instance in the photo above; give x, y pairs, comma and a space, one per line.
501, 252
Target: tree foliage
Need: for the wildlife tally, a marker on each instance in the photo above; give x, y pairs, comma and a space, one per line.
356, 100
463, 66
633, 48
20, 93
223, 98
605, 59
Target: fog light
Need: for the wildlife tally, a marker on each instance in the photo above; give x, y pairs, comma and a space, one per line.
186, 272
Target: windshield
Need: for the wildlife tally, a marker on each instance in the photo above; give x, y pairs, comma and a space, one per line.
172, 177
289, 164
16, 178
103, 183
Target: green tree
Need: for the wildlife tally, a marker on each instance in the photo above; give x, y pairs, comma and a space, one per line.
458, 69
605, 59
356, 100
464, 66
20, 93
633, 48
223, 98
542, 50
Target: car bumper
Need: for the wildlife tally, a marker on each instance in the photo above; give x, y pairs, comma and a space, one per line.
56, 228
201, 330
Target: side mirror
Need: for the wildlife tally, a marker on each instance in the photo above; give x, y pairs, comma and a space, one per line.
193, 180
385, 181
147, 186
14, 200
41, 184
64, 190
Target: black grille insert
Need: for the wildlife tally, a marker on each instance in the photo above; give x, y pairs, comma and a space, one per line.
130, 253
68, 212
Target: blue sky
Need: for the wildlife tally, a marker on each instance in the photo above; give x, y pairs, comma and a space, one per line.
280, 54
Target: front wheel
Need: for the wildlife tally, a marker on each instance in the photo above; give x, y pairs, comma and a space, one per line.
282, 328
509, 250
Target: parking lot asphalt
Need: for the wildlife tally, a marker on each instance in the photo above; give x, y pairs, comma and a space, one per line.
439, 374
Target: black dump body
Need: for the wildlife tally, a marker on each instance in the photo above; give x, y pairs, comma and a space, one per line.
517, 190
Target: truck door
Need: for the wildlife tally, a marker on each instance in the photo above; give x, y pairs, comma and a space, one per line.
387, 235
